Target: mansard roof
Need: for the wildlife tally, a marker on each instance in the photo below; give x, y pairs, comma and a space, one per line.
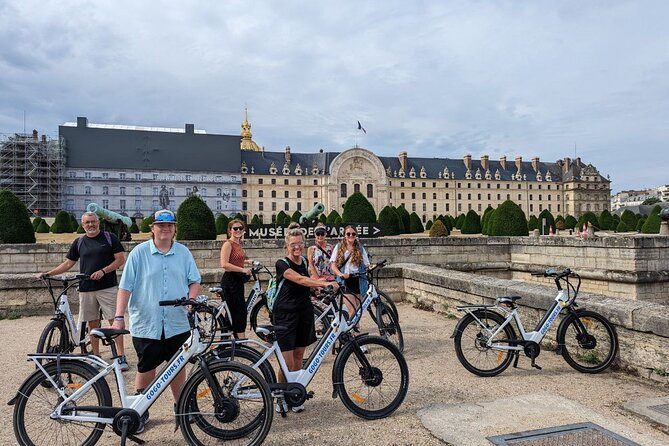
261, 162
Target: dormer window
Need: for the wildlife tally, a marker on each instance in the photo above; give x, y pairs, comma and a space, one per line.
497, 175
314, 169
244, 168
286, 169
412, 173
401, 174
439, 174
548, 176
298, 169
539, 177
423, 173
395, 174
272, 168
477, 175
488, 175
468, 174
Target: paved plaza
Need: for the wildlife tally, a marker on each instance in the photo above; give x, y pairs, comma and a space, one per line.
445, 404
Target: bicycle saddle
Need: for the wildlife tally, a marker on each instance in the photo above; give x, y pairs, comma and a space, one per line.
215, 289
110, 333
268, 332
508, 299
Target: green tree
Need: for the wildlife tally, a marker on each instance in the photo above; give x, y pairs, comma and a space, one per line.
589, 217
133, 228
256, 220
406, 218
640, 223
15, 226
338, 220
428, 225
323, 218
484, 219
438, 229
649, 201
652, 224
222, 224
459, 221
570, 222
472, 223
606, 220
36, 222
280, 217
622, 227
195, 221
80, 229
43, 227
358, 209
73, 223
533, 223
146, 224
508, 220
616, 220
240, 216
488, 220
287, 219
415, 225
332, 218
550, 222
390, 220
61, 223
629, 218
296, 216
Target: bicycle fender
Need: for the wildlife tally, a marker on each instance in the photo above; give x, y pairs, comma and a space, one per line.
481, 310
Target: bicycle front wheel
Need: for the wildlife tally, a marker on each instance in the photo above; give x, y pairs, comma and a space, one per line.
588, 341
389, 303
372, 381
37, 399
54, 338
388, 325
239, 412
471, 343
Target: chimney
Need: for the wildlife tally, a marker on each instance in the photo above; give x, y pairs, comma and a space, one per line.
403, 160
502, 161
566, 165
519, 163
43, 139
535, 164
287, 156
577, 161
468, 162
484, 162
82, 121
35, 135
190, 129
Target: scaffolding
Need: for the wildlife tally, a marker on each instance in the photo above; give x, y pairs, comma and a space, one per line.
32, 168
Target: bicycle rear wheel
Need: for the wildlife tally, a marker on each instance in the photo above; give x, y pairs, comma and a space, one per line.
260, 315
588, 341
388, 325
242, 416
385, 298
471, 347
36, 401
245, 355
374, 389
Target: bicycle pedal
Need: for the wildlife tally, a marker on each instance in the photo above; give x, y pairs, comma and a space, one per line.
536, 366
310, 394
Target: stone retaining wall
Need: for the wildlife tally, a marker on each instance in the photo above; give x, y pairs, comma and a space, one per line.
642, 327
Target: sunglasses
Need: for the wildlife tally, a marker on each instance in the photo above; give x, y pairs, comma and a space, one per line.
296, 245
351, 234
238, 228
320, 234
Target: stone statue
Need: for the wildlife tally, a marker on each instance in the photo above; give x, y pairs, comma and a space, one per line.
164, 198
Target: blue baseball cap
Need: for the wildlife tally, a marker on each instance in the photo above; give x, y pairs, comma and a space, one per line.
164, 216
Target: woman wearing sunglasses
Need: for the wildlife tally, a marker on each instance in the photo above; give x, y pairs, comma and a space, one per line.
233, 261
293, 309
319, 255
349, 257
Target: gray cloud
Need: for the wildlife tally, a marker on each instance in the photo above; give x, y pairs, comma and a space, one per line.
432, 78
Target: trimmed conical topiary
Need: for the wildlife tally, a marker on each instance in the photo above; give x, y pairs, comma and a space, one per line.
622, 227
390, 220
73, 223
629, 218
80, 229
406, 218
550, 222
146, 224
256, 220
415, 225
428, 225
605, 220
652, 224
43, 227
36, 222
15, 226
133, 229
438, 229
488, 220
472, 223
222, 224
570, 222
509, 219
484, 219
195, 221
280, 218
640, 223
532, 223
358, 209
62, 223
459, 221
296, 216
589, 218
332, 218
323, 218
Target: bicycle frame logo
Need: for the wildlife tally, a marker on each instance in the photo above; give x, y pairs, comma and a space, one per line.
165, 377
561, 300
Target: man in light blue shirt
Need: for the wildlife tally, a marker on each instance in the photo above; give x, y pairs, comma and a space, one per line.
158, 269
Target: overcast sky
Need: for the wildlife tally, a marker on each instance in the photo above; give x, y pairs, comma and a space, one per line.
437, 78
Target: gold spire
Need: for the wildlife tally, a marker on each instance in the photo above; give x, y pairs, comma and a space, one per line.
247, 143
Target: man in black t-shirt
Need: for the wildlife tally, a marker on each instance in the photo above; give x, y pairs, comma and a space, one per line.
99, 254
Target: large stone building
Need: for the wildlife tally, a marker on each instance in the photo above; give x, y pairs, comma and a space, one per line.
125, 168
288, 181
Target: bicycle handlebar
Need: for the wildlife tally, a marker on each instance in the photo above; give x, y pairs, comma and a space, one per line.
63, 279
552, 272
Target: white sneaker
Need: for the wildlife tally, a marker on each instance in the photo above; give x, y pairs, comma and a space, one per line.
281, 407
124, 364
298, 409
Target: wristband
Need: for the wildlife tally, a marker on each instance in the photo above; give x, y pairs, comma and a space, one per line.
119, 318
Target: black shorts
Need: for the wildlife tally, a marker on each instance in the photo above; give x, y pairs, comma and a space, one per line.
299, 331
233, 294
352, 285
152, 352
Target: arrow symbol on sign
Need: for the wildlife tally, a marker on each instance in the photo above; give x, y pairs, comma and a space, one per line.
376, 230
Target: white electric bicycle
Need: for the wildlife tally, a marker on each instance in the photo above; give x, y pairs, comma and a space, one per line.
68, 400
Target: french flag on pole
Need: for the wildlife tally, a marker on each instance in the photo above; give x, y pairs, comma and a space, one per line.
360, 127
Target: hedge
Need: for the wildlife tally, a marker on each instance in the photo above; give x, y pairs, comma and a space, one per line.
508, 220
195, 221
62, 223
358, 209
550, 221
390, 220
15, 226
472, 223
438, 229
415, 225
222, 224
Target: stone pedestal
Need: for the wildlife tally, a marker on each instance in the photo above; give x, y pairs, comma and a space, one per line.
664, 228
535, 233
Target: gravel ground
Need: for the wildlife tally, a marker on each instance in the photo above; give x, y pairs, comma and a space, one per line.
436, 377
